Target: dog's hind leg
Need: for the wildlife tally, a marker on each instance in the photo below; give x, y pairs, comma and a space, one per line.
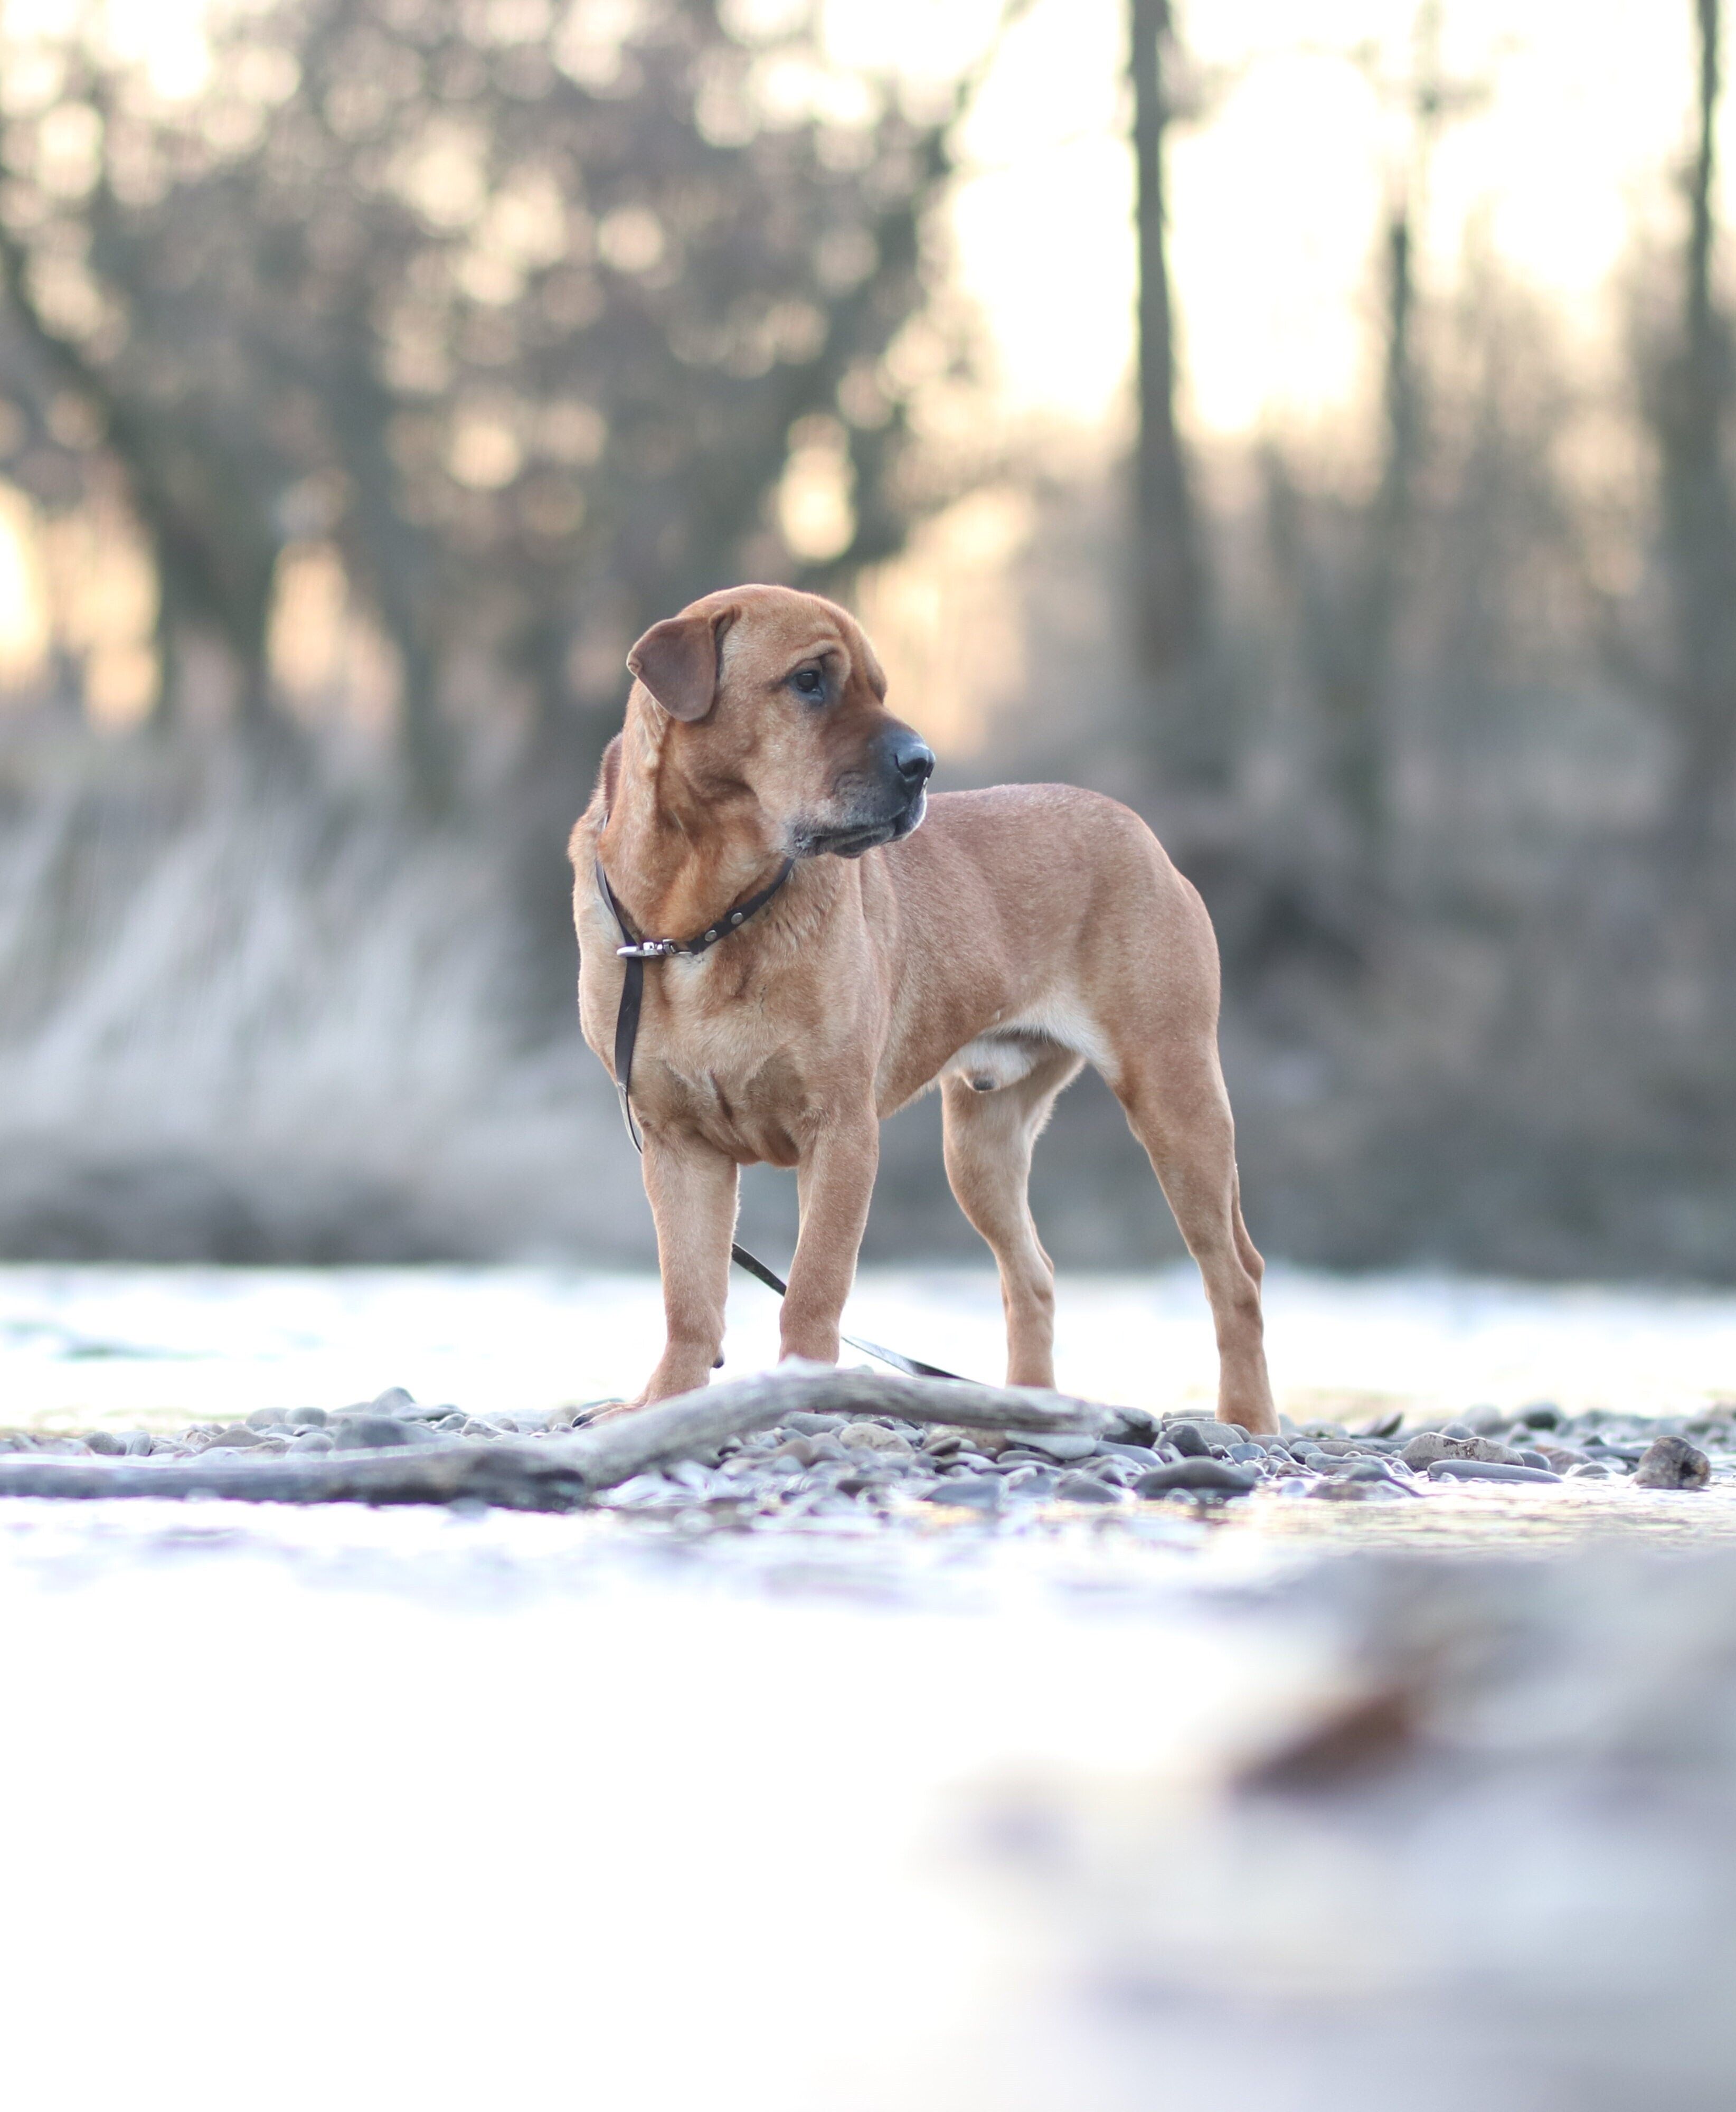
989, 1140
1177, 1106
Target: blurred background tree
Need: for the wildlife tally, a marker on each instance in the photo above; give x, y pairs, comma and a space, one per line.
371, 372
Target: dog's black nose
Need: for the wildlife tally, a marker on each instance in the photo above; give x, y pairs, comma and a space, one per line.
913, 760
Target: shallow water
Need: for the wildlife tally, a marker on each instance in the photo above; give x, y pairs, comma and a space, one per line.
112, 1345
364, 1808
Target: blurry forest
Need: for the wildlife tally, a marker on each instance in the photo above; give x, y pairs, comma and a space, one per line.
359, 408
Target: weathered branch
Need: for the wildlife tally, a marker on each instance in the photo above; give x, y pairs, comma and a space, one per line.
557, 1473
526, 1477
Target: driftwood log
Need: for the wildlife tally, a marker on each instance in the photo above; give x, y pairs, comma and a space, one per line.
559, 1472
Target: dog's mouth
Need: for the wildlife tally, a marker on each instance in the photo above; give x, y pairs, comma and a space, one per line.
852, 841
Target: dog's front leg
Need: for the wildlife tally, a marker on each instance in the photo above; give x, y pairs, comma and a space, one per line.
834, 1180
692, 1189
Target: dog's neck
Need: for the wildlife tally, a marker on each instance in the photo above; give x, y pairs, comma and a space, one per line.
672, 869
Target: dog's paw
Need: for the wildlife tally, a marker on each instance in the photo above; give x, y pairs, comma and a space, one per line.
601, 1411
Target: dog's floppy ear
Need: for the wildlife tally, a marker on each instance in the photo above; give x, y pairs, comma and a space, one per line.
677, 661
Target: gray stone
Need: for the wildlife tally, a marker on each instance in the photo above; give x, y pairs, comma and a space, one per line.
1541, 1415
1204, 1475
392, 1402
1590, 1470
270, 1418
1487, 1470
106, 1442
137, 1444
1133, 1426
1672, 1462
1430, 1446
1187, 1439
1030, 1482
375, 1433
812, 1425
312, 1440
874, 1437
1077, 1488
1062, 1445
236, 1438
1359, 1489
979, 1492
1142, 1454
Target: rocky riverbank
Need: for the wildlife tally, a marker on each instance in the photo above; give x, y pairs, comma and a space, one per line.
822, 1461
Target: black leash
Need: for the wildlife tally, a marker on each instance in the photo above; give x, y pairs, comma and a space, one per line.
634, 953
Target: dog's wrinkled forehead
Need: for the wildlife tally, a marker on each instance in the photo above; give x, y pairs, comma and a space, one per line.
778, 629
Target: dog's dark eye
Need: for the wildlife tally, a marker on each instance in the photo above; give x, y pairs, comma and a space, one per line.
809, 682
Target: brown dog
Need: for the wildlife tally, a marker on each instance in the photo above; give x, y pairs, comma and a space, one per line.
1024, 932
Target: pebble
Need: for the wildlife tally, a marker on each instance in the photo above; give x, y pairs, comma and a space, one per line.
1672, 1462
1342, 1488
981, 1492
1205, 1475
1058, 1444
374, 1433
874, 1437
1077, 1488
1425, 1449
1488, 1470
825, 1466
237, 1437
1029, 1482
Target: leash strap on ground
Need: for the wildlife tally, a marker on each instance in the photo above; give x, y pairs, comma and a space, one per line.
912, 1367
634, 953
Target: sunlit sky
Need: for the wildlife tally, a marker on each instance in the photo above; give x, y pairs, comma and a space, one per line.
1275, 192
1275, 186
1582, 117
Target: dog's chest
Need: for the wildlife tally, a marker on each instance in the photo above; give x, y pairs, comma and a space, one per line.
729, 1072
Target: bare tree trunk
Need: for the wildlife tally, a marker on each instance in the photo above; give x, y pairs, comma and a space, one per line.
1170, 611
1699, 522
1168, 585
1365, 730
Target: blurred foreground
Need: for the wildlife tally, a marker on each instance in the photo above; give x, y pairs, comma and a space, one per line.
1312, 1807
1081, 1819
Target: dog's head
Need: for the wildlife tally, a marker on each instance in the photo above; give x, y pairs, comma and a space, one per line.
775, 697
